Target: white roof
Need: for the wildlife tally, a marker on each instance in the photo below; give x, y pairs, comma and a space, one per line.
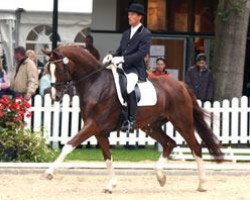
79, 6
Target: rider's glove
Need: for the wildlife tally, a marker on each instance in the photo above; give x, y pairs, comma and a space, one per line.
107, 59
118, 60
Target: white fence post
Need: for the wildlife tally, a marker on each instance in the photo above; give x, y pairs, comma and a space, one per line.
225, 121
47, 118
244, 138
65, 119
37, 117
235, 121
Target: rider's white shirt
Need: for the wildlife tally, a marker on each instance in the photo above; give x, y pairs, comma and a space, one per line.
134, 29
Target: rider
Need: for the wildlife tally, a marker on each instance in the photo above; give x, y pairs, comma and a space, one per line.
129, 57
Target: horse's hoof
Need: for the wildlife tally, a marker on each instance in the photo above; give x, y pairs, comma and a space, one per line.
107, 191
201, 190
161, 177
201, 186
162, 181
49, 176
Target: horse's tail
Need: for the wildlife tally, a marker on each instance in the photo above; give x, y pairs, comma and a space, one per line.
206, 134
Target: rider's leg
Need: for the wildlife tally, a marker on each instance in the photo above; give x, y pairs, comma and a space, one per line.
132, 105
132, 79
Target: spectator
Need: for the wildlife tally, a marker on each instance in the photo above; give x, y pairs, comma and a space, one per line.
90, 47
32, 56
160, 69
25, 81
199, 78
45, 81
4, 81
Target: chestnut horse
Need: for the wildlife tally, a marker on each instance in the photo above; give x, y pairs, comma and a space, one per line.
101, 110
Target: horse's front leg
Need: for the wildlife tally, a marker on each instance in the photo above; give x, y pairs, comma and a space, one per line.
49, 173
104, 144
81, 136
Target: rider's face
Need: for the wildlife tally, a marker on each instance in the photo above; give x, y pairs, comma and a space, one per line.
134, 18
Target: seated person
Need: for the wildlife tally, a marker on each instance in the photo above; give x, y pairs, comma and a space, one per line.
160, 68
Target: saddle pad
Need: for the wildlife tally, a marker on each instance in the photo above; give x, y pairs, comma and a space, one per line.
148, 92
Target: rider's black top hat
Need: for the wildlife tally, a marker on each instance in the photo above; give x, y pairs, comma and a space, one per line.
136, 7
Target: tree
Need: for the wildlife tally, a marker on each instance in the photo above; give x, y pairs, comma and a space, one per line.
231, 27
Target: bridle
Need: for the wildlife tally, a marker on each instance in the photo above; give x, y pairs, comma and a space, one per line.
67, 84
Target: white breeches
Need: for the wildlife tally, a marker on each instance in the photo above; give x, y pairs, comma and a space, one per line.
132, 79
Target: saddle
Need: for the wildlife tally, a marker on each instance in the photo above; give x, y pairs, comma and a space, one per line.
123, 86
145, 91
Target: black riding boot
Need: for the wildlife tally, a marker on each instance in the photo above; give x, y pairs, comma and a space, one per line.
129, 125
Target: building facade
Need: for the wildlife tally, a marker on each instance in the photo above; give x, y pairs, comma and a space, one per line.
181, 29
33, 30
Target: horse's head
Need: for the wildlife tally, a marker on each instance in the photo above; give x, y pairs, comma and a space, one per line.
68, 64
60, 68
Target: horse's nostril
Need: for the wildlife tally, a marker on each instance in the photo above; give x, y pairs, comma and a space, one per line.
57, 98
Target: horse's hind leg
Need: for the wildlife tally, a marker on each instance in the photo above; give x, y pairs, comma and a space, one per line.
196, 150
185, 127
155, 131
104, 144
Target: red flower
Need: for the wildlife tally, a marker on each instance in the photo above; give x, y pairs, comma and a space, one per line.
26, 104
13, 111
5, 100
28, 114
19, 117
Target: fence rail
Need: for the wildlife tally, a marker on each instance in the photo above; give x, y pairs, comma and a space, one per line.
61, 121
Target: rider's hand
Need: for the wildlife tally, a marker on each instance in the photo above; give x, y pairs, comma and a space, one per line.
107, 59
117, 60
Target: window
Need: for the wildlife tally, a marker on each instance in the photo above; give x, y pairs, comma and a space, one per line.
172, 15
205, 15
40, 38
178, 15
156, 15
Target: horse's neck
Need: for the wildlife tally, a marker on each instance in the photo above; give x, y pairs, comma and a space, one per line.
96, 86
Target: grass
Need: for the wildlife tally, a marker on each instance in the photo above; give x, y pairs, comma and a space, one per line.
118, 153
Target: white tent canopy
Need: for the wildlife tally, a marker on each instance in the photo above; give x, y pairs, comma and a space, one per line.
28, 31
7, 27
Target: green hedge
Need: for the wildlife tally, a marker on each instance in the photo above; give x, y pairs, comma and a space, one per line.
24, 146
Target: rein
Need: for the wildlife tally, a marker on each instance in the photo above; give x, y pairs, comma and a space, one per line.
89, 75
71, 82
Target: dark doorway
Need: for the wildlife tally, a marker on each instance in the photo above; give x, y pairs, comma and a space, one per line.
246, 83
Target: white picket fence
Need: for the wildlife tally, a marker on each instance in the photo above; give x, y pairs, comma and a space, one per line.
61, 121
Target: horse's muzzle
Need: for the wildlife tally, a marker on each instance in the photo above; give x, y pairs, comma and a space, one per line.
56, 95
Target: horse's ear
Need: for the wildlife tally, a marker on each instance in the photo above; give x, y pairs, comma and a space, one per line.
46, 52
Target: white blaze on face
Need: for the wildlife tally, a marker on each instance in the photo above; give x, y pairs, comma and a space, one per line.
53, 79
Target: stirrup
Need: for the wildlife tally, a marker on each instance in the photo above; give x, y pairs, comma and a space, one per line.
125, 126
128, 126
